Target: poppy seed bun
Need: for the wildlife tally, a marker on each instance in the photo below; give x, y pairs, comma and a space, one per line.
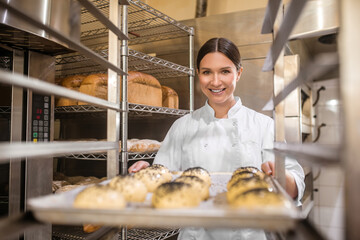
197, 183
198, 172
175, 195
131, 188
99, 196
153, 176
243, 185
256, 197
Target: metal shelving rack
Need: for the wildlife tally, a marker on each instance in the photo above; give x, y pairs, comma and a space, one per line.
103, 156
143, 24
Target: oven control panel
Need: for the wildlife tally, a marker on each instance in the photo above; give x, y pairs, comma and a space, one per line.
40, 118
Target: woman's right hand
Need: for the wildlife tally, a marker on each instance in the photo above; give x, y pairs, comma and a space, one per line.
138, 166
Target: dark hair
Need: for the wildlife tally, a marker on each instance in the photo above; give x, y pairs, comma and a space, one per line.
223, 45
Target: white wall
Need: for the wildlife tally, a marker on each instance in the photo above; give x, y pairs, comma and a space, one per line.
185, 9
328, 212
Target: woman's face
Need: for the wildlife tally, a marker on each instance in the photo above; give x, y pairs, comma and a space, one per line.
218, 77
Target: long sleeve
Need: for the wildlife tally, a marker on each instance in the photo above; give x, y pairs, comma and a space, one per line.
169, 153
291, 165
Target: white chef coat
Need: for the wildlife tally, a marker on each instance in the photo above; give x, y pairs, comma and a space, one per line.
222, 145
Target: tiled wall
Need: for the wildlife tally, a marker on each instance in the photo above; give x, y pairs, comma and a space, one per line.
328, 211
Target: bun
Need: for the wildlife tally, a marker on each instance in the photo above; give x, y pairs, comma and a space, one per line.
175, 195
99, 196
170, 98
133, 189
256, 197
245, 173
243, 185
198, 184
143, 145
153, 177
198, 172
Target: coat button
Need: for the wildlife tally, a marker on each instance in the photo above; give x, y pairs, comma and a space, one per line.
234, 145
205, 145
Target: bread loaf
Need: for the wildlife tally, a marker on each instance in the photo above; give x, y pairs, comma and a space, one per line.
170, 98
144, 89
94, 85
73, 83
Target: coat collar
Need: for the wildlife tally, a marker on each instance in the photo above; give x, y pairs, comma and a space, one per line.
210, 113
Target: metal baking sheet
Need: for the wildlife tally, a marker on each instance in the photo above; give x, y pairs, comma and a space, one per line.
213, 213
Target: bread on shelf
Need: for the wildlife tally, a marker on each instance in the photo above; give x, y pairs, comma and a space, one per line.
144, 89
94, 85
170, 98
73, 83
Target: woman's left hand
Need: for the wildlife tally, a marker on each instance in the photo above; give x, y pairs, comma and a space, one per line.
291, 188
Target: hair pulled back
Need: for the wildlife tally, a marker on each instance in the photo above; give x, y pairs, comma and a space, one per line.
222, 45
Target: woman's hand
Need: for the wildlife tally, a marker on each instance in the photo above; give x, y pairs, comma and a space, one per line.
138, 166
291, 188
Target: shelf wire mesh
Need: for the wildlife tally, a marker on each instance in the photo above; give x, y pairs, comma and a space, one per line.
61, 232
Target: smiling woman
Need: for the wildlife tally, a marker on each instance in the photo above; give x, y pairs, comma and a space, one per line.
223, 135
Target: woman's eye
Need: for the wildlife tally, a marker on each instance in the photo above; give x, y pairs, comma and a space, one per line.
206, 72
225, 71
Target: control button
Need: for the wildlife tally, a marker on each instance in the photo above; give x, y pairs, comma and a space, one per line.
40, 139
35, 135
46, 117
46, 105
46, 111
41, 135
46, 129
34, 140
46, 135
35, 122
46, 99
38, 117
41, 129
41, 123
35, 128
46, 123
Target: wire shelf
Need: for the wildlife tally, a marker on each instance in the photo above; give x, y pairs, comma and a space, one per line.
135, 110
76, 232
103, 156
145, 24
76, 63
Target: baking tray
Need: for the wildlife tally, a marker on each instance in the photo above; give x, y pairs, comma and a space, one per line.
213, 213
